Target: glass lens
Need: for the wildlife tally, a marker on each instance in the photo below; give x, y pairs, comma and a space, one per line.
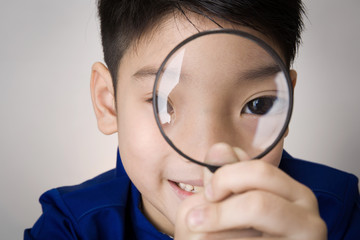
222, 87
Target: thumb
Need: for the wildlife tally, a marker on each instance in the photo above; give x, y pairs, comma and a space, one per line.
220, 154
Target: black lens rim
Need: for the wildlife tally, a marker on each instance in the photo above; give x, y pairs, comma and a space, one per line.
254, 39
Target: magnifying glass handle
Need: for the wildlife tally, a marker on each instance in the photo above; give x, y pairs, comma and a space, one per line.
212, 168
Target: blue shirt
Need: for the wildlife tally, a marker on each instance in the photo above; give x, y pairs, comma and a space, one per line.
107, 206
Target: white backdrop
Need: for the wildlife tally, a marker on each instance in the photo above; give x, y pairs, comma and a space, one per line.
48, 130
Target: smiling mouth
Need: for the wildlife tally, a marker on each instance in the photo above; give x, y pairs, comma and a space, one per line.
184, 190
189, 188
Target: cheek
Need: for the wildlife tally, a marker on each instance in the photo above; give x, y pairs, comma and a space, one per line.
274, 156
141, 145
138, 133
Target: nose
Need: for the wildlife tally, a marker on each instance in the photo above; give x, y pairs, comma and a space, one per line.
200, 129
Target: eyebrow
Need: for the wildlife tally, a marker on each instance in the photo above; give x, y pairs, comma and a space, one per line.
260, 72
252, 74
146, 72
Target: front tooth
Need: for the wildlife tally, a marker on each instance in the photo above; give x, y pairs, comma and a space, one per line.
196, 189
182, 185
186, 187
189, 188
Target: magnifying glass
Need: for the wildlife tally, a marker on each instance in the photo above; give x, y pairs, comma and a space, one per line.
222, 86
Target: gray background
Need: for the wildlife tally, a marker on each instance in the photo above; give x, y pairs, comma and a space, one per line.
48, 130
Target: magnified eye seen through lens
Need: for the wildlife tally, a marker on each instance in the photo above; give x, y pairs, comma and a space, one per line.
260, 106
222, 86
165, 110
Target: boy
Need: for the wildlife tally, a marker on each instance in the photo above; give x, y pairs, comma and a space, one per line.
276, 197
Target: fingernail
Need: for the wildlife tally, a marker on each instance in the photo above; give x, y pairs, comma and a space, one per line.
196, 216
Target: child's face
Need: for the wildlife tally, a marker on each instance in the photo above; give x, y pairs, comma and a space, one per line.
153, 166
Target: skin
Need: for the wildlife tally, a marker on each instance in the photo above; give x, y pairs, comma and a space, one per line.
242, 199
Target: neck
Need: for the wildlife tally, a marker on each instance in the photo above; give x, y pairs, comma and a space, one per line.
158, 219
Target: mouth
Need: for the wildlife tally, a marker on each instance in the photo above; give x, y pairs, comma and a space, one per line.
189, 188
184, 190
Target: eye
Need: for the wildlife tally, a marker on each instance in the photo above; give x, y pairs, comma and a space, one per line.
261, 105
165, 109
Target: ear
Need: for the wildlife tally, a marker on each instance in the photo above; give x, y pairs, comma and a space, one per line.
293, 77
103, 98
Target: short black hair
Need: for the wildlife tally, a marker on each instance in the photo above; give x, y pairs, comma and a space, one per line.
124, 21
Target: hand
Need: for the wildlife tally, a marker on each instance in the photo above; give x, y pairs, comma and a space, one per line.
249, 199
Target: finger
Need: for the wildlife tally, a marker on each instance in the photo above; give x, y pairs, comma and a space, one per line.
182, 231
262, 211
241, 154
232, 234
254, 238
220, 154
250, 175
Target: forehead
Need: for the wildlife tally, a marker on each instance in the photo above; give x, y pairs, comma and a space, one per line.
150, 50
